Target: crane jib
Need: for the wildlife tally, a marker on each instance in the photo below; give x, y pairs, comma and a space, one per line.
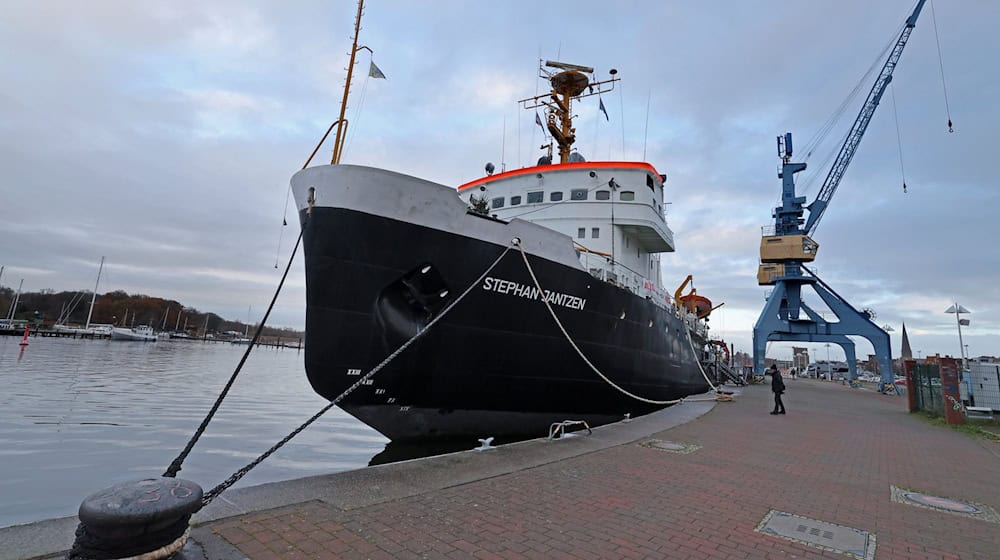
847, 151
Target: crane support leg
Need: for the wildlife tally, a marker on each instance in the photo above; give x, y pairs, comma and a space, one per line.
780, 321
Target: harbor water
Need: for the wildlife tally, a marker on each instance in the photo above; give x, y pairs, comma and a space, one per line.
79, 415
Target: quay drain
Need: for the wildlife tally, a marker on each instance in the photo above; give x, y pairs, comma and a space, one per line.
964, 508
671, 446
823, 535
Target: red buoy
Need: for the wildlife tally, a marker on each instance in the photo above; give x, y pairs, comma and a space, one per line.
24, 341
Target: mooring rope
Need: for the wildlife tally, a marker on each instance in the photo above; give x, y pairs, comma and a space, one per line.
214, 492
175, 465
697, 359
517, 243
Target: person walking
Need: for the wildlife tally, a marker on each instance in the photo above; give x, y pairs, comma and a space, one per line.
777, 387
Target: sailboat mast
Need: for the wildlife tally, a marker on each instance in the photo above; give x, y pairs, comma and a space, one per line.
94, 297
338, 142
13, 304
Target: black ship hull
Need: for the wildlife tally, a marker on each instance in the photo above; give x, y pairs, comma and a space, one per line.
497, 364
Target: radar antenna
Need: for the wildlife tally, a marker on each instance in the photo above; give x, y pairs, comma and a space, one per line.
570, 82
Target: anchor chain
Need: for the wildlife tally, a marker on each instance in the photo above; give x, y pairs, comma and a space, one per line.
236, 476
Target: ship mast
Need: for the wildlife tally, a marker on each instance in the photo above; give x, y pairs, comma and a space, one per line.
568, 84
338, 143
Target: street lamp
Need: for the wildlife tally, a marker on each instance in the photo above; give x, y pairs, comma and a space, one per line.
958, 310
829, 368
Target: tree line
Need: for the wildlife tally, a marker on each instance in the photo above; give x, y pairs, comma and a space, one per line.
46, 308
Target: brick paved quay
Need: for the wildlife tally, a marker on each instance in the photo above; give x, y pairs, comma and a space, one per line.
833, 458
840, 456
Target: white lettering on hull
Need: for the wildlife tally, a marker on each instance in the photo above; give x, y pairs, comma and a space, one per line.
509, 287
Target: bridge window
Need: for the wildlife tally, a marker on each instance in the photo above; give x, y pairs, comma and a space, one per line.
515, 200
627, 196
556, 196
498, 202
603, 195
578, 194
536, 196
581, 233
650, 182
595, 232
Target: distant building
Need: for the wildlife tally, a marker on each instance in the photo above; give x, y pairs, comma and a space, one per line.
800, 358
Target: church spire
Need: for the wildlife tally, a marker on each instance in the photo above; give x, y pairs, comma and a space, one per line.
905, 352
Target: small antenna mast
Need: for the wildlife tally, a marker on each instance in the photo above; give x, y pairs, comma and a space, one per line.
503, 147
645, 132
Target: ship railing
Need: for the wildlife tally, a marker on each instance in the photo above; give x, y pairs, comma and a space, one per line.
696, 326
599, 266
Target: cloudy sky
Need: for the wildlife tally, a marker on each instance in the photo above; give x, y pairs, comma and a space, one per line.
162, 135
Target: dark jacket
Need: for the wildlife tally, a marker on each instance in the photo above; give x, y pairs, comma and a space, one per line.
777, 384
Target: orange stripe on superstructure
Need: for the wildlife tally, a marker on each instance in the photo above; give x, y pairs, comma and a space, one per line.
562, 167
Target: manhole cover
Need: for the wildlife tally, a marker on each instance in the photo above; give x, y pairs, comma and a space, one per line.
823, 535
671, 446
941, 503
948, 505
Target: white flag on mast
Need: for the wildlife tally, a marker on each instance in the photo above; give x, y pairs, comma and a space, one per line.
374, 72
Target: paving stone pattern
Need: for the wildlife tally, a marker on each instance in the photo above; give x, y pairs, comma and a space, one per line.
833, 457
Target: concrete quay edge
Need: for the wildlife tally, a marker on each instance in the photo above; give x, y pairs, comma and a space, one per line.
372, 485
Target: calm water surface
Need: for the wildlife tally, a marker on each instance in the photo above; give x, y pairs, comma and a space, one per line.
79, 415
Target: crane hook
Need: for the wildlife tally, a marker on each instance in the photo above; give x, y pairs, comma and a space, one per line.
950, 128
904, 187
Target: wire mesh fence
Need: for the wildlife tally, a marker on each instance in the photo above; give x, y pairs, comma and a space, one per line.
927, 388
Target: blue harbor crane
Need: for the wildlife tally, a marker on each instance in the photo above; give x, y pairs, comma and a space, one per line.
783, 252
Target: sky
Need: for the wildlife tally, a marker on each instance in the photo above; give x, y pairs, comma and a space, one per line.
162, 137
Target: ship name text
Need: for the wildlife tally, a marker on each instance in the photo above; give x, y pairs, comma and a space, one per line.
509, 287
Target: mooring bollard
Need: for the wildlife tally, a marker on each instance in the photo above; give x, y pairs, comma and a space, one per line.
146, 518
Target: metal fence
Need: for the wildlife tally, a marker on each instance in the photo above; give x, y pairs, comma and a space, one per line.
984, 385
927, 388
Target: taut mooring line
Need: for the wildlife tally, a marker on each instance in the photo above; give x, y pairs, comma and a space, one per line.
236, 476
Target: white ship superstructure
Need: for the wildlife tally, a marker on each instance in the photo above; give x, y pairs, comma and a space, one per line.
613, 211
